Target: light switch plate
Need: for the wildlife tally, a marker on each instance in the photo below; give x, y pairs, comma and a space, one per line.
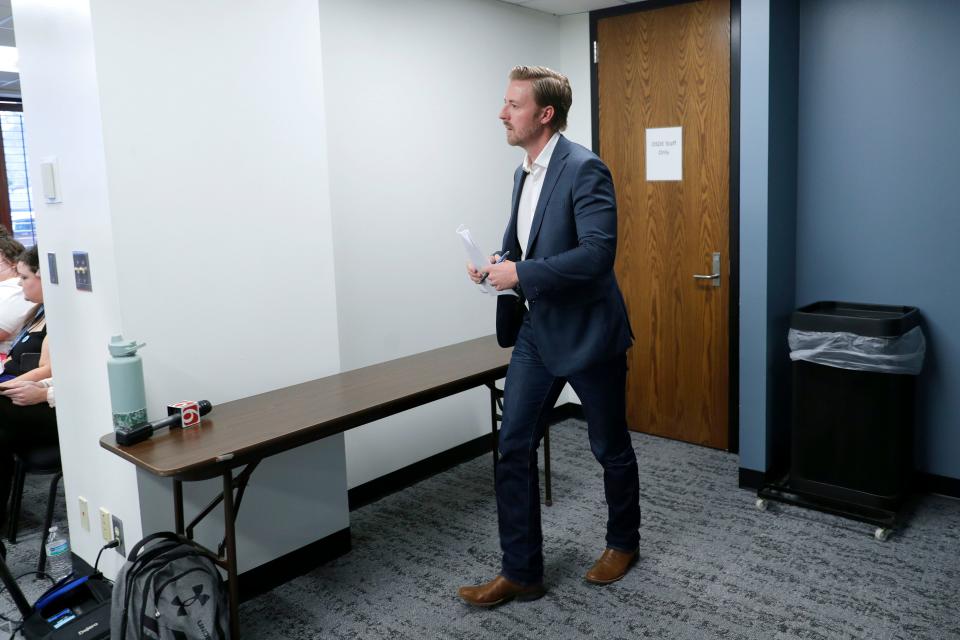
50, 179
81, 270
52, 268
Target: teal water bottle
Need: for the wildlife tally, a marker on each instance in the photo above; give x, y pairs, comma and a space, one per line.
128, 399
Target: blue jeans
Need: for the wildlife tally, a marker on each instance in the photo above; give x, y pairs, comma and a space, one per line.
530, 393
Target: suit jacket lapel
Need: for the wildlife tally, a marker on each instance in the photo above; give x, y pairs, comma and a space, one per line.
557, 163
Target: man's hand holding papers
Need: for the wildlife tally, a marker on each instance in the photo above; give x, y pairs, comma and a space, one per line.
502, 274
493, 277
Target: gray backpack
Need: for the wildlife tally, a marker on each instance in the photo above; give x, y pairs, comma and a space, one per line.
169, 589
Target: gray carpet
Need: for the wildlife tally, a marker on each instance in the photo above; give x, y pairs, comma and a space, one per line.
711, 566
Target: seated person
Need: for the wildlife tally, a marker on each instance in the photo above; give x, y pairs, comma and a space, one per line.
21, 362
14, 308
26, 420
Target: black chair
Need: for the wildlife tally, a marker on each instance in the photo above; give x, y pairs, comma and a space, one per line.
41, 461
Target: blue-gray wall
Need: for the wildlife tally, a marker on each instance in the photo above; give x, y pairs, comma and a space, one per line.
754, 165
878, 206
768, 223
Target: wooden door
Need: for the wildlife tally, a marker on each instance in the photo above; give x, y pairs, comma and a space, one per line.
670, 67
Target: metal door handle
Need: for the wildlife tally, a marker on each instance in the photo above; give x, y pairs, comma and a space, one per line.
715, 276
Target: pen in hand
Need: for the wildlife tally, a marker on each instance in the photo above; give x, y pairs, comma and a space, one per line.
500, 259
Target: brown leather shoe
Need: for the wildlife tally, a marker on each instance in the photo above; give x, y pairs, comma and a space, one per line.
498, 591
611, 566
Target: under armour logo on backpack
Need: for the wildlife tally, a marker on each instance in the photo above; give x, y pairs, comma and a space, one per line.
198, 594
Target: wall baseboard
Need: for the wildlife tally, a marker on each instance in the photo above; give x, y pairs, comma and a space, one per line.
296, 563
930, 483
305, 559
369, 492
750, 479
276, 572
378, 488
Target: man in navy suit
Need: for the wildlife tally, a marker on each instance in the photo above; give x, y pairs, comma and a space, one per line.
569, 324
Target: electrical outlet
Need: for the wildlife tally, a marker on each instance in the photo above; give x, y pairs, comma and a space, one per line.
81, 270
84, 513
118, 535
106, 525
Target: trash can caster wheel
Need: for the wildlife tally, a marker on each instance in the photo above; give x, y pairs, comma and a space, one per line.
881, 534
761, 504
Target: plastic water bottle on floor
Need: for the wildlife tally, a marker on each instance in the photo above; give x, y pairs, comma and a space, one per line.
59, 562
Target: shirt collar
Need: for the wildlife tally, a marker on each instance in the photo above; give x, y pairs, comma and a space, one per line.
543, 160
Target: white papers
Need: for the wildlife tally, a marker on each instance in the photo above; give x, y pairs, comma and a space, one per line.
478, 258
665, 154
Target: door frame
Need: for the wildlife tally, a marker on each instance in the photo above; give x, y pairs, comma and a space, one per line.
733, 291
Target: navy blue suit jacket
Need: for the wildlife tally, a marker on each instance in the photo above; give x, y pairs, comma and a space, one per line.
576, 310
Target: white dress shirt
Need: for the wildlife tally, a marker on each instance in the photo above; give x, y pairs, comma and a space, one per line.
530, 195
14, 310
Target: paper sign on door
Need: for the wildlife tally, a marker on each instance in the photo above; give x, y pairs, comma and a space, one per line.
664, 154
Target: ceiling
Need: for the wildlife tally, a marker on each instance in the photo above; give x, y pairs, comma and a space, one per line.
6, 24
567, 7
10, 82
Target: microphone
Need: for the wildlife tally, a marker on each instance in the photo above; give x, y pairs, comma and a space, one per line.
203, 406
143, 431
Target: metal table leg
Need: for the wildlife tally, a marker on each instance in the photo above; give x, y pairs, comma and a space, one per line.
495, 417
178, 506
226, 555
231, 545
548, 493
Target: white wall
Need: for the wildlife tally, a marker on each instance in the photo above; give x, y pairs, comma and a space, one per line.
62, 118
219, 200
575, 62
416, 149
209, 180
217, 193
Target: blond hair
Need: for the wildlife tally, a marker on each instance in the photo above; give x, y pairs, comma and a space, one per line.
550, 89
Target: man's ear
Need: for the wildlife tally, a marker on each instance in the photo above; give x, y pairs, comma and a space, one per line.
547, 115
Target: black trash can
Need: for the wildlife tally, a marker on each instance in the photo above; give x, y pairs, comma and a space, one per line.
854, 374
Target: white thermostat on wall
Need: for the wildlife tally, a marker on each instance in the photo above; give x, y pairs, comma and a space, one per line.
50, 177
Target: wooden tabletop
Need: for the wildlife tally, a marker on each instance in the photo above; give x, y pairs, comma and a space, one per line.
252, 428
